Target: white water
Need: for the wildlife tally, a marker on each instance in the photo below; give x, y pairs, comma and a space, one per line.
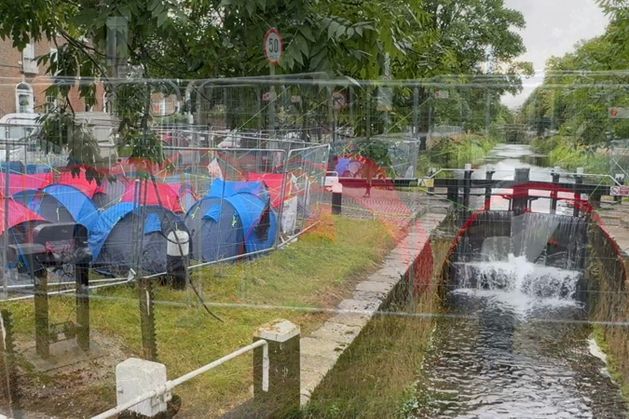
518, 283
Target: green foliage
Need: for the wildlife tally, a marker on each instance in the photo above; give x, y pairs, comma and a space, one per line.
580, 87
454, 152
60, 132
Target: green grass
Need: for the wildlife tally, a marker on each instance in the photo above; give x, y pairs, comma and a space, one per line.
376, 376
564, 152
315, 272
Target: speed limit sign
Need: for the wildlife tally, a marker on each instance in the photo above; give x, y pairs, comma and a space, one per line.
273, 46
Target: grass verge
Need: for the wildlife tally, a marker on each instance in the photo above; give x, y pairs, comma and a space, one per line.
375, 377
313, 273
455, 152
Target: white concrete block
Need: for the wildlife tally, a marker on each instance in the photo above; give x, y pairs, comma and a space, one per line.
135, 377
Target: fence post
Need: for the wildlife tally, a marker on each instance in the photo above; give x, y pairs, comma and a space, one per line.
283, 396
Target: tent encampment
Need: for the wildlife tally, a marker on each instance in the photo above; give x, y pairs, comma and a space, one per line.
60, 203
112, 238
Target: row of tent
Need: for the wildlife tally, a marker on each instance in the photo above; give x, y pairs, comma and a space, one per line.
232, 219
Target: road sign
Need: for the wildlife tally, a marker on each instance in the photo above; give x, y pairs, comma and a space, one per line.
618, 112
619, 191
273, 46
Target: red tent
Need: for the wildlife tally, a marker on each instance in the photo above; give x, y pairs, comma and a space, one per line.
22, 182
156, 193
79, 181
18, 214
273, 182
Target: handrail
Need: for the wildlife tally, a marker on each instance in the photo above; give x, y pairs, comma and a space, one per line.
171, 384
600, 175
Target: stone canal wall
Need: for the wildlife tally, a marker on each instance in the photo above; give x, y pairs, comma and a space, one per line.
608, 288
406, 271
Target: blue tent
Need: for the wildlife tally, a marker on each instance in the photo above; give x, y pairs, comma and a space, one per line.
60, 203
221, 188
215, 229
112, 237
234, 218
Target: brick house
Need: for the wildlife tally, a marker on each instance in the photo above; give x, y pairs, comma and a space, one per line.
23, 83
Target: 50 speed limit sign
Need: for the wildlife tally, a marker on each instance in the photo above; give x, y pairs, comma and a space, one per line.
273, 46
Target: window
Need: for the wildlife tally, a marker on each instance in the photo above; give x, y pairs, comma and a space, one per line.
51, 103
24, 98
29, 65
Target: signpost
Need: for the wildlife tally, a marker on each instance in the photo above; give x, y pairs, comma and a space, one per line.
273, 46
273, 50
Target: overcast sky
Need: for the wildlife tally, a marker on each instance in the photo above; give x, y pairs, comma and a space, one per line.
553, 27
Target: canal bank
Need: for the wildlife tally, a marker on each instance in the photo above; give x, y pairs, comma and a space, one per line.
363, 361
609, 287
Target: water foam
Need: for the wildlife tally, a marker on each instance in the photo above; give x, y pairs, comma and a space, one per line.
518, 282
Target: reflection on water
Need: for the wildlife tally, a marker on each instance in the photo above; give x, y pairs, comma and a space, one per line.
503, 160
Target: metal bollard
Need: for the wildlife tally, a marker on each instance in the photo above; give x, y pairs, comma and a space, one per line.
488, 175
177, 251
554, 194
467, 186
337, 198
620, 180
578, 181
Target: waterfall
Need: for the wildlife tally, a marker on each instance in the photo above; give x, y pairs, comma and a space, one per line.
527, 257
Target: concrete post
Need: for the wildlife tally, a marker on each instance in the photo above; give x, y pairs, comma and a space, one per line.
134, 377
283, 396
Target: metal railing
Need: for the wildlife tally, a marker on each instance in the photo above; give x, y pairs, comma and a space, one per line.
171, 384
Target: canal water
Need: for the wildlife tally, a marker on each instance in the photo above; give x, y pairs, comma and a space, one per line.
513, 341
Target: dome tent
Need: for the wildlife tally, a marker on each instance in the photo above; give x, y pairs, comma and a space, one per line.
234, 218
21, 222
60, 203
112, 238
